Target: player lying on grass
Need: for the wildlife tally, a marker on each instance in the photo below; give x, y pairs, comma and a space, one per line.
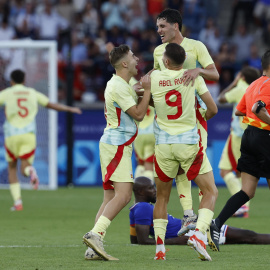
141, 220
141, 224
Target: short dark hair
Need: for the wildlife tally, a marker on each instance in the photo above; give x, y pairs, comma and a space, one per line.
175, 53
171, 16
117, 53
266, 60
17, 76
251, 74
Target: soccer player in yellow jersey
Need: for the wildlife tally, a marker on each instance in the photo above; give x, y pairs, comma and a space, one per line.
122, 112
231, 152
198, 62
21, 106
144, 146
178, 145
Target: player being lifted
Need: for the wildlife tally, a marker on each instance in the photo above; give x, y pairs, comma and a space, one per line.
231, 152
21, 107
198, 62
178, 145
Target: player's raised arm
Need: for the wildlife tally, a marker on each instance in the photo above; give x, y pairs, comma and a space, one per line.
63, 108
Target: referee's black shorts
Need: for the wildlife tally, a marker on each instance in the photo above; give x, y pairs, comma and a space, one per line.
255, 152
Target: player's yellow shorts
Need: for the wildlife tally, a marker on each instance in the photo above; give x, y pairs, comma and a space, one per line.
168, 158
231, 153
116, 166
144, 146
21, 147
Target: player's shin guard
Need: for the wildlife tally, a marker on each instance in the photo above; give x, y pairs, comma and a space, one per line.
101, 226
204, 219
184, 191
160, 226
232, 182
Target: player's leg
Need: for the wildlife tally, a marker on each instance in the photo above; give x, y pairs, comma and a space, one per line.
27, 155
160, 218
149, 150
166, 167
138, 148
228, 170
183, 186
14, 185
240, 236
116, 170
11, 144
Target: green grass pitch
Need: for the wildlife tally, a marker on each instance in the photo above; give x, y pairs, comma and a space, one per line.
47, 234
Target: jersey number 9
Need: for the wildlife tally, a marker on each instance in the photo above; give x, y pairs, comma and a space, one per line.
177, 103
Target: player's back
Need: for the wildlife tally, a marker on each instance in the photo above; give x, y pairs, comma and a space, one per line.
21, 105
175, 102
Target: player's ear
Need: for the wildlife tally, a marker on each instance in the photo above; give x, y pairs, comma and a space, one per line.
124, 64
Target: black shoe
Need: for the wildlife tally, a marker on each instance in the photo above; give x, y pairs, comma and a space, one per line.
213, 236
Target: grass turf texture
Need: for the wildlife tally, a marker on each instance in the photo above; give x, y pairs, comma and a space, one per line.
47, 234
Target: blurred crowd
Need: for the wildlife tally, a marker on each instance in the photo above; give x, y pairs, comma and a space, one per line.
83, 27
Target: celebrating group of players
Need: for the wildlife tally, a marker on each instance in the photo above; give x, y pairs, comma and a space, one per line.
182, 104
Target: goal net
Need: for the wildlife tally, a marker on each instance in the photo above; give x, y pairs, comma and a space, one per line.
39, 61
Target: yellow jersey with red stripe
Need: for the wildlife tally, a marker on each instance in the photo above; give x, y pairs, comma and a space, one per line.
21, 108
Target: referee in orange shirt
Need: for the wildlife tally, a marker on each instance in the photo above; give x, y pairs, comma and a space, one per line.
254, 161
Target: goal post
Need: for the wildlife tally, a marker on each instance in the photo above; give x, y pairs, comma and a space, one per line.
39, 61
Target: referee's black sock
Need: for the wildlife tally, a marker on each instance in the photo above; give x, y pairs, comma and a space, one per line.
232, 205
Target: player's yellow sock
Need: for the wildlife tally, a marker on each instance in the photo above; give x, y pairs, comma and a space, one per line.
15, 190
232, 182
101, 226
149, 174
139, 171
27, 170
184, 191
240, 181
204, 219
160, 226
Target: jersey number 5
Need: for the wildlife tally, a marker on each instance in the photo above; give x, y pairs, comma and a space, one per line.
23, 112
177, 103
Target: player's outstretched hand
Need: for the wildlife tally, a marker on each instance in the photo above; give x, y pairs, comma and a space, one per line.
190, 76
145, 82
75, 110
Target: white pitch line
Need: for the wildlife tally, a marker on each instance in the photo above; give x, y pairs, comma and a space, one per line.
45, 246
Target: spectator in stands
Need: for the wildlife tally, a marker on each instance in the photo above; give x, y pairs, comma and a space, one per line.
91, 19
114, 14
136, 19
210, 36
262, 11
242, 40
26, 22
66, 10
49, 23
254, 59
7, 32
246, 6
